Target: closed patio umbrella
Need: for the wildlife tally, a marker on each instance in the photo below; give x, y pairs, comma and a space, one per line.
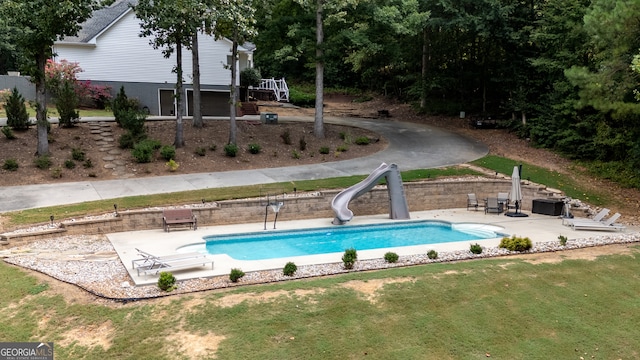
515, 195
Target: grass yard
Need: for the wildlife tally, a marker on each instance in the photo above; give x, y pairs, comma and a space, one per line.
505, 309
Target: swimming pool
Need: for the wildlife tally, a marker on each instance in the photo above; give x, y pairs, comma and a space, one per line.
279, 244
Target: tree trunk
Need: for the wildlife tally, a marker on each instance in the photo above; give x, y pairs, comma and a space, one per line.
232, 111
197, 99
318, 125
425, 65
41, 106
179, 141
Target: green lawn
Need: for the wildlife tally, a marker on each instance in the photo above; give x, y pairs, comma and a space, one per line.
507, 308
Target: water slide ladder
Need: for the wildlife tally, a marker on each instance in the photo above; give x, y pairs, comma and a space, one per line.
398, 208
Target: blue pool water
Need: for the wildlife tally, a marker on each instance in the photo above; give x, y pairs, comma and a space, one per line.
278, 244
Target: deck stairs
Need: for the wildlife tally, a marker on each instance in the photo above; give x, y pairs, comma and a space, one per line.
279, 88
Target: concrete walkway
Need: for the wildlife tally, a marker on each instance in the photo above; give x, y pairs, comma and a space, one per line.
411, 146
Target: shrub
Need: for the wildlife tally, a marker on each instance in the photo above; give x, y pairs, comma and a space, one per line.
563, 240
133, 121
77, 154
168, 152
200, 151
8, 133
250, 77
475, 249
69, 164
349, 258
342, 148
143, 152
17, 116
66, 103
231, 150
172, 165
303, 144
56, 173
166, 281
87, 164
42, 162
123, 107
324, 150
363, 140
295, 154
515, 243
286, 137
254, 148
235, 275
432, 254
213, 147
10, 165
299, 98
289, 269
391, 257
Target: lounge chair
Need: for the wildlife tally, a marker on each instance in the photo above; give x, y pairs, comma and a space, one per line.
597, 217
472, 202
150, 262
493, 206
188, 263
605, 225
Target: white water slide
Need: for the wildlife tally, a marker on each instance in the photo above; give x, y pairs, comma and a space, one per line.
397, 200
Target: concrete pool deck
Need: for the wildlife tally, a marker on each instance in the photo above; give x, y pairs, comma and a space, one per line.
539, 228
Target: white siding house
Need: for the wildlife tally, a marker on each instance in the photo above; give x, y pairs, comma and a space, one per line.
110, 51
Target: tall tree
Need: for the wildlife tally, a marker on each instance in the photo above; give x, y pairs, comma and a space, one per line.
197, 99
40, 24
172, 24
236, 20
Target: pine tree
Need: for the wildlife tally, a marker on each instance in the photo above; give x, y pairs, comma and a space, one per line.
17, 117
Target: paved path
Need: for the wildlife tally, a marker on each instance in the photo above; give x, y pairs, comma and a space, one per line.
411, 146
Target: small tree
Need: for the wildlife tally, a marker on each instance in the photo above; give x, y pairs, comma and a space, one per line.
349, 258
17, 117
66, 104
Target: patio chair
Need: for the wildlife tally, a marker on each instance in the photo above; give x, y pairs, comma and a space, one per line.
493, 206
149, 261
503, 198
605, 225
472, 202
597, 217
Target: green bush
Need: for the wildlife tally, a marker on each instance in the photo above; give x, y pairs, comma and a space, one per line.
168, 152
166, 281
66, 103
363, 140
342, 148
69, 164
432, 254
10, 165
391, 257
515, 243
43, 162
289, 269
303, 144
133, 121
8, 133
250, 77
87, 164
231, 150
254, 148
235, 275
56, 172
349, 258
143, 151
17, 116
77, 154
324, 150
295, 154
122, 107
200, 151
213, 147
475, 249
299, 98
563, 240
286, 137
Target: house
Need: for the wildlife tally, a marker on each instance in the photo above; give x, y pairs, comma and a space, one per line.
110, 51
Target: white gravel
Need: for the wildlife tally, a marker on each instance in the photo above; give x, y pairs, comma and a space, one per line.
91, 263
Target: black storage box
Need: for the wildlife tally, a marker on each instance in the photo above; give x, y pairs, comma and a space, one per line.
551, 207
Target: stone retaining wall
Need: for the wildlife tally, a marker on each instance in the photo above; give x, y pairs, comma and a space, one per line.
426, 195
